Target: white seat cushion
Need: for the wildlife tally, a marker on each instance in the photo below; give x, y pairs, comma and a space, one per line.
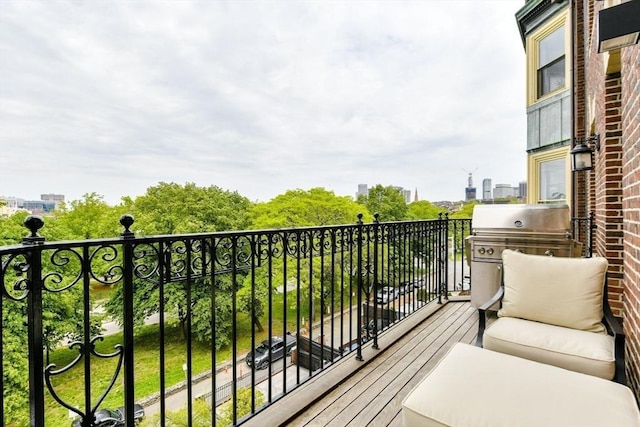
587, 352
477, 387
559, 291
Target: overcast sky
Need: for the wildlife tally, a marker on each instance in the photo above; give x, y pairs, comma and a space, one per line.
260, 97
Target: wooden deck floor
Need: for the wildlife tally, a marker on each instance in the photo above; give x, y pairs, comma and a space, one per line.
373, 395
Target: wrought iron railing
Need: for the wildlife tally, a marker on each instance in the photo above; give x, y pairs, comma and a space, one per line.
583, 229
227, 291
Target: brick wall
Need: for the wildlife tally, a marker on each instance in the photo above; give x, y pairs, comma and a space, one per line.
630, 112
604, 183
581, 180
608, 197
614, 184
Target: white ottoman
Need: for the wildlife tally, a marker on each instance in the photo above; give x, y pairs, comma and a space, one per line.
476, 387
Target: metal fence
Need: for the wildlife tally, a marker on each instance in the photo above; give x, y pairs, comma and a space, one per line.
339, 286
583, 229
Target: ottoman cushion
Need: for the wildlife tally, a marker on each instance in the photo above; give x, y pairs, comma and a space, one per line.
478, 387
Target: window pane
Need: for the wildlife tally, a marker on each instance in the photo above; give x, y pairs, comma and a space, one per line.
553, 180
551, 77
551, 47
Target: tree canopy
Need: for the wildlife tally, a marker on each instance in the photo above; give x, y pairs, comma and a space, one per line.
466, 211
423, 210
88, 218
387, 201
170, 208
300, 208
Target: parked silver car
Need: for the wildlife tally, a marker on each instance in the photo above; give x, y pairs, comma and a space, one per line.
113, 418
386, 294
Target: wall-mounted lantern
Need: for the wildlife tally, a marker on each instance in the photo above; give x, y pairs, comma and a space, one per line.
581, 155
619, 26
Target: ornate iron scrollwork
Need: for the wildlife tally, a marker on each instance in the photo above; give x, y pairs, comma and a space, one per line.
83, 353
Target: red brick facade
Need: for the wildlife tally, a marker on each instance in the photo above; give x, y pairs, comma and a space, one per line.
610, 107
631, 207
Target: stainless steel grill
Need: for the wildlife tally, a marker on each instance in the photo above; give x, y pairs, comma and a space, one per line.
532, 229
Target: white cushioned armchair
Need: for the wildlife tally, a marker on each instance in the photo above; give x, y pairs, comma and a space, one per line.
555, 310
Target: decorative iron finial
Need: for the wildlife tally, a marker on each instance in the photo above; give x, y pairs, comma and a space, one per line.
360, 218
33, 223
126, 221
376, 217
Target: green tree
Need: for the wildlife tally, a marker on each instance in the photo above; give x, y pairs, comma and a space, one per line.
387, 201
254, 301
319, 289
12, 228
423, 210
88, 218
466, 211
176, 305
170, 208
243, 408
300, 208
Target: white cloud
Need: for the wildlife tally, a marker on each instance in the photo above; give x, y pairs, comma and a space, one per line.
259, 97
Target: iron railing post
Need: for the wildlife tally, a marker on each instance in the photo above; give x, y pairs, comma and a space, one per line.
359, 296
128, 268
582, 229
444, 253
234, 331
376, 226
438, 260
592, 227
34, 321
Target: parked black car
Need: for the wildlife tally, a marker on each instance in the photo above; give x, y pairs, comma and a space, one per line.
279, 349
113, 418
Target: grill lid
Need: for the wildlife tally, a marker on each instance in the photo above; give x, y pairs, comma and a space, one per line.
521, 218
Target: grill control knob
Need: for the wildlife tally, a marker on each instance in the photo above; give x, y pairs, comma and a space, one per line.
549, 253
490, 251
481, 251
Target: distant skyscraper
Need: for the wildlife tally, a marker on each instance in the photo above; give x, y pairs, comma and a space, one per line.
57, 199
522, 189
486, 189
415, 199
470, 191
52, 197
504, 191
363, 190
407, 196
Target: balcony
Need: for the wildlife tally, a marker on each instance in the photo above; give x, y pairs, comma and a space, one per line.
166, 322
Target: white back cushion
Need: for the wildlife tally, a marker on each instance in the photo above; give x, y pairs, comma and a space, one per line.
559, 291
